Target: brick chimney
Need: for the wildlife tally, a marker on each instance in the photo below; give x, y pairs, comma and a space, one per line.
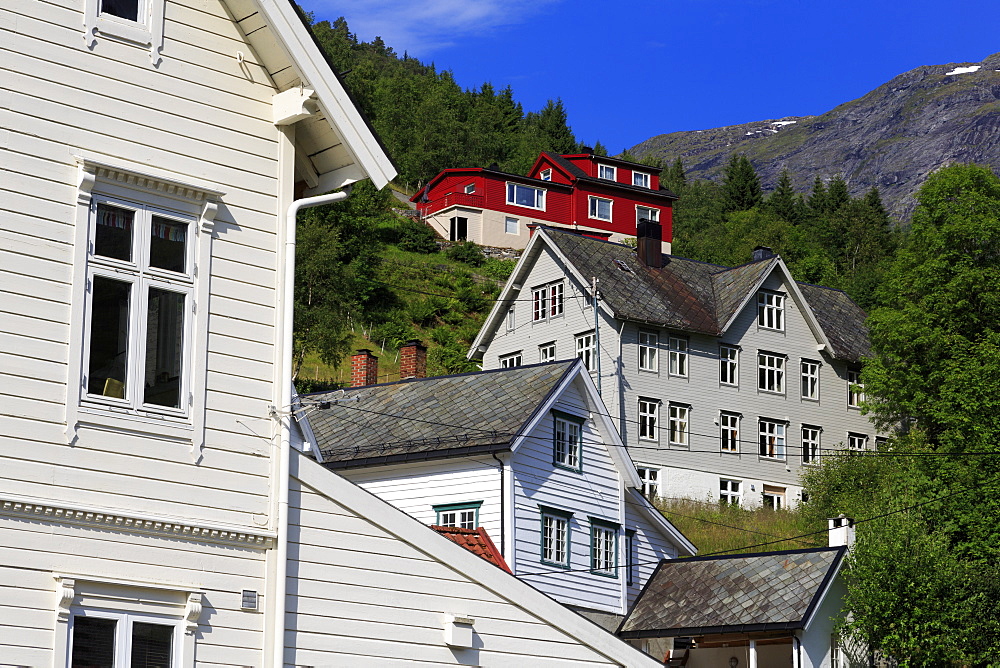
841, 531
649, 246
364, 368
413, 360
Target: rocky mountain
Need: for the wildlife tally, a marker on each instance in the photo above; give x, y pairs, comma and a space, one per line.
893, 137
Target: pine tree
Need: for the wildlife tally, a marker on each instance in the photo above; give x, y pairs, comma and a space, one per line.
554, 131
740, 184
673, 177
836, 193
818, 199
784, 201
600, 149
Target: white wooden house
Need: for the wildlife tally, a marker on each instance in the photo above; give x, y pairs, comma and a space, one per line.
725, 382
149, 501
527, 453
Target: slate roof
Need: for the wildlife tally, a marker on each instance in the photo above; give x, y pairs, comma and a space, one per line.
430, 418
476, 541
738, 593
698, 297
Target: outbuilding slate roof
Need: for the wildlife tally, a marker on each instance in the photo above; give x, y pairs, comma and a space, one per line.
429, 418
733, 593
698, 297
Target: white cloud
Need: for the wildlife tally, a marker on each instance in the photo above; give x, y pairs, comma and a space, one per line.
421, 27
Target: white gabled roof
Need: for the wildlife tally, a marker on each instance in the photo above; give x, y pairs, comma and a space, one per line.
340, 146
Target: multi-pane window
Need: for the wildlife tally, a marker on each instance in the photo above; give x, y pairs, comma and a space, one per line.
729, 430
555, 537
855, 389
646, 213
771, 372
119, 639
679, 415
511, 360
586, 350
771, 310
547, 352
729, 365
607, 172
774, 497
510, 225
459, 515
857, 441
650, 478
547, 301
640, 179
567, 441
809, 379
470, 189
880, 443
519, 195
510, 319
603, 548
772, 439
648, 418
810, 444
140, 285
600, 208
678, 356
648, 343
729, 491
545, 175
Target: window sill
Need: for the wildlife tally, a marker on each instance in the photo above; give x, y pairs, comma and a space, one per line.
729, 452
762, 328
654, 372
677, 375
564, 467
679, 445
601, 574
770, 458
761, 390
810, 399
552, 563
525, 206
166, 427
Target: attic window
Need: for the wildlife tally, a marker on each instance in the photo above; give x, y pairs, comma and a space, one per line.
621, 264
136, 22
545, 175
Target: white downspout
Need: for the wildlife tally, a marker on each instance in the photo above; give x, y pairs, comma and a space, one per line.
285, 417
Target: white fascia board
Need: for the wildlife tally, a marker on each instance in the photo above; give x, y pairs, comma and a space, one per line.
546, 407
612, 439
335, 103
401, 526
797, 295
684, 546
826, 590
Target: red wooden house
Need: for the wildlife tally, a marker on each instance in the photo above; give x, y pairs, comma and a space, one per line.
597, 195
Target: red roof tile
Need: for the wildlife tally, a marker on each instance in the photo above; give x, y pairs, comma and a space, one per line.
476, 541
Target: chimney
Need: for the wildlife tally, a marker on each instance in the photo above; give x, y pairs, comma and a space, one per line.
413, 360
841, 531
649, 238
762, 253
364, 368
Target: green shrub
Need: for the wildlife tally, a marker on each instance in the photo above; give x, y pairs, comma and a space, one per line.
416, 237
395, 331
498, 269
466, 252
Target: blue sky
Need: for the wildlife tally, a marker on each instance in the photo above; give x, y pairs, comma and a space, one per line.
627, 71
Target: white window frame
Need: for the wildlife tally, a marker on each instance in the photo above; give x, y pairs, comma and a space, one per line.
603, 170
772, 439
730, 491
649, 342
603, 548
771, 310
127, 601
567, 441
594, 208
857, 442
555, 544
100, 179
146, 31
586, 349
547, 301
729, 432
677, 356
511, 223
771, 372
649, 419
809, 380
547, 352
510, 360
811, 444
778, 496
729, 365
510, 319
679, 424
539, 196
470, 189
855, 389
650, 477
458, 515
545, 175
652, 215
640, 179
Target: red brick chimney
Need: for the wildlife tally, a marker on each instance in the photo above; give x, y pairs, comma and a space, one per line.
413, 360
649, 243
364, 368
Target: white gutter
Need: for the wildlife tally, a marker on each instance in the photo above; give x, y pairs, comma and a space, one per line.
284, 415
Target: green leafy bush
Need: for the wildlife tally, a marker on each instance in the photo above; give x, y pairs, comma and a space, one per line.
416, 237
466, 252
497, 268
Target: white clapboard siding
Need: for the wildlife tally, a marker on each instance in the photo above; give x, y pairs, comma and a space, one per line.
593, 492
649, 546
417, 488
413, 578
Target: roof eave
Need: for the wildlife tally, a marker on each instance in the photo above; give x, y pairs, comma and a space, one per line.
422, 456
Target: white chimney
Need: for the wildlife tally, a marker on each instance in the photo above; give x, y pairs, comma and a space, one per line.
841, 531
